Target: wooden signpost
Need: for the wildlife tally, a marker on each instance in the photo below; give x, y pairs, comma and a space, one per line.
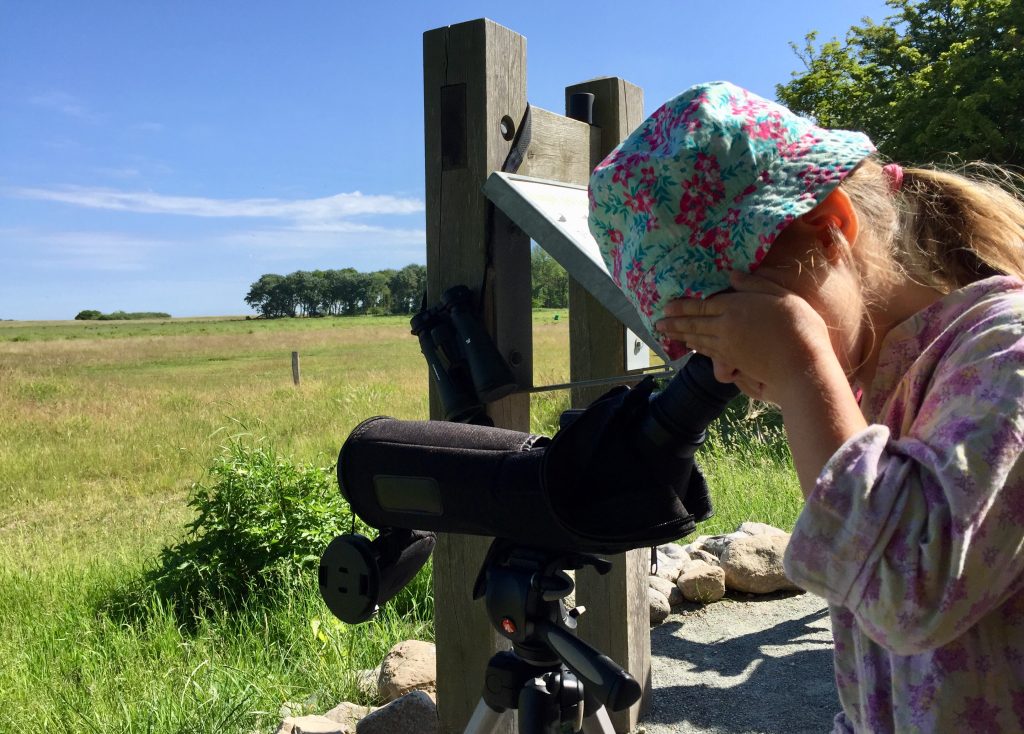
475, 97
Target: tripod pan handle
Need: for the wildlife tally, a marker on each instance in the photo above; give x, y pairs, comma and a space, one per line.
604, 678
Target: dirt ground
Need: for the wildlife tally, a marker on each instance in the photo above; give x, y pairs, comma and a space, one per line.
744, 664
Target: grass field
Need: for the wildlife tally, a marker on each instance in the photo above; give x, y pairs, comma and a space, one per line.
105, 428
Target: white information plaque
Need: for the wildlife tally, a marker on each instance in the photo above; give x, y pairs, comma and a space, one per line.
554, 215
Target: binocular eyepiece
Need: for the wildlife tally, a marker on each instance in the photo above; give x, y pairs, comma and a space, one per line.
467, 367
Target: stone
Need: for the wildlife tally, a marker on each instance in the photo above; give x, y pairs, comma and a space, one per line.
348, 714
702, 582
759, 528
716, 544
703, 555
754, 564
311, 725
366, 683
666, 587
670, 566
659, 606
674, 550
409, 666
413, 713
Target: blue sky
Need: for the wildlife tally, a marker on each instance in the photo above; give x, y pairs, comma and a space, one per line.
161, 156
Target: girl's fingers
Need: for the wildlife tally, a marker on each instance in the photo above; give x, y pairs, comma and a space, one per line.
692, 307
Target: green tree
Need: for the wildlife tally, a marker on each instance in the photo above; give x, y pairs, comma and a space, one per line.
938, 79
407, 286
89, 314
550, 281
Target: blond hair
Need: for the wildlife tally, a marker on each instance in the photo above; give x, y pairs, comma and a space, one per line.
942, 229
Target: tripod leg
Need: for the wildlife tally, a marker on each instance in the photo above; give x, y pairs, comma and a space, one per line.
598, 722
484, 719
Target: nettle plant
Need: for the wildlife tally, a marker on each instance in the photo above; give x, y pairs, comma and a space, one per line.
260, 520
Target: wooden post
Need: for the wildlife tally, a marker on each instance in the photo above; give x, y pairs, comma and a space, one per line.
617, 620
474, 85
295, 367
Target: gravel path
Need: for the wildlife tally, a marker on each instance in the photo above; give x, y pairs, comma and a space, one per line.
744, 664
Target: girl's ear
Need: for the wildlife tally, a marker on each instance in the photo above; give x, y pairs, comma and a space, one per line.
834, 213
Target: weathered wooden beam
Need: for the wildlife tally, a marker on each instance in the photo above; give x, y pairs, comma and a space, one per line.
474, 77
617, 618
561, 148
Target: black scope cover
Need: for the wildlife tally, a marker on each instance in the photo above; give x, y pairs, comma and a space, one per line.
478, 480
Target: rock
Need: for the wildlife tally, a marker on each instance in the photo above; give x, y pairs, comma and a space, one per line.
702, 582
348, 714
666, 587
674, 550
759, 528
716, 544
695, 544
413, 713
659, 606
366, 683
703, 555
409, 666
670, 564
754, 564
311, 725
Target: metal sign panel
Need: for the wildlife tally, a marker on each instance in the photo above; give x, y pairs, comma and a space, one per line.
554, 215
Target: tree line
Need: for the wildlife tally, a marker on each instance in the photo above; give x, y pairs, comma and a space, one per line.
348, 292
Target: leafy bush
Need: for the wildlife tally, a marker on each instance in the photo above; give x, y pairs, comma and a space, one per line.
89, 314
260, 519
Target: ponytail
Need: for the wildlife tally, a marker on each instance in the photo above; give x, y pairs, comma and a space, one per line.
943, 229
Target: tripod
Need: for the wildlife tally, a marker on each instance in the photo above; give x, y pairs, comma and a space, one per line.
553, 678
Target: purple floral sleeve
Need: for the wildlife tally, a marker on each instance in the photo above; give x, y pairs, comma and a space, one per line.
915, 530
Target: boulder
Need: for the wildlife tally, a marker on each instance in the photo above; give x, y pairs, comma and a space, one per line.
759, 528
670, 564
666, 587
753, 564
366, 683
348, 714
702, 582
716, 544
703, 555
659, 606
413, 713
409, 666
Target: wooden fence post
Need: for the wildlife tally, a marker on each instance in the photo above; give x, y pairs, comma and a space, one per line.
474, 86
295, 367
617, 620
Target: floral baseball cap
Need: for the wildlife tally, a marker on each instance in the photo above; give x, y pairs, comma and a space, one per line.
704, 186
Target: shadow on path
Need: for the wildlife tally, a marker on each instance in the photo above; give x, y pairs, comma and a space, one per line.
744, 666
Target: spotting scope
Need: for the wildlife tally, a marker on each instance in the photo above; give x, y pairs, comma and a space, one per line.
618, 475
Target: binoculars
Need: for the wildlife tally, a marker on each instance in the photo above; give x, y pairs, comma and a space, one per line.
466, 365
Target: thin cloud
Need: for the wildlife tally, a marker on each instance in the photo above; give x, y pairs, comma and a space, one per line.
96, 251
64, 103
302, 211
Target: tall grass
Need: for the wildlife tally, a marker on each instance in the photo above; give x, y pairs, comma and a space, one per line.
104, 434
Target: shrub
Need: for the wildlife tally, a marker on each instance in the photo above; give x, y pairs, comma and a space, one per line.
260, 519
89, 314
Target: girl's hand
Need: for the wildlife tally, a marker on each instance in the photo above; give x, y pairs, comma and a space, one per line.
761, 336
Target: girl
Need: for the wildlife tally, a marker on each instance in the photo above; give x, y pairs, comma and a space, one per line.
882, 309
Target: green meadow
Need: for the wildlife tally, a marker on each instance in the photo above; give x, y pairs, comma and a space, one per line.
106, 427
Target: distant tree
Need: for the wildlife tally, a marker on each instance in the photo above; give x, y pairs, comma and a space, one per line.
550, 281
939, 78
272, 296
407, 287
87, 315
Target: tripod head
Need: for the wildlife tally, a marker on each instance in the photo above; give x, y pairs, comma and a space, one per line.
524, 589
